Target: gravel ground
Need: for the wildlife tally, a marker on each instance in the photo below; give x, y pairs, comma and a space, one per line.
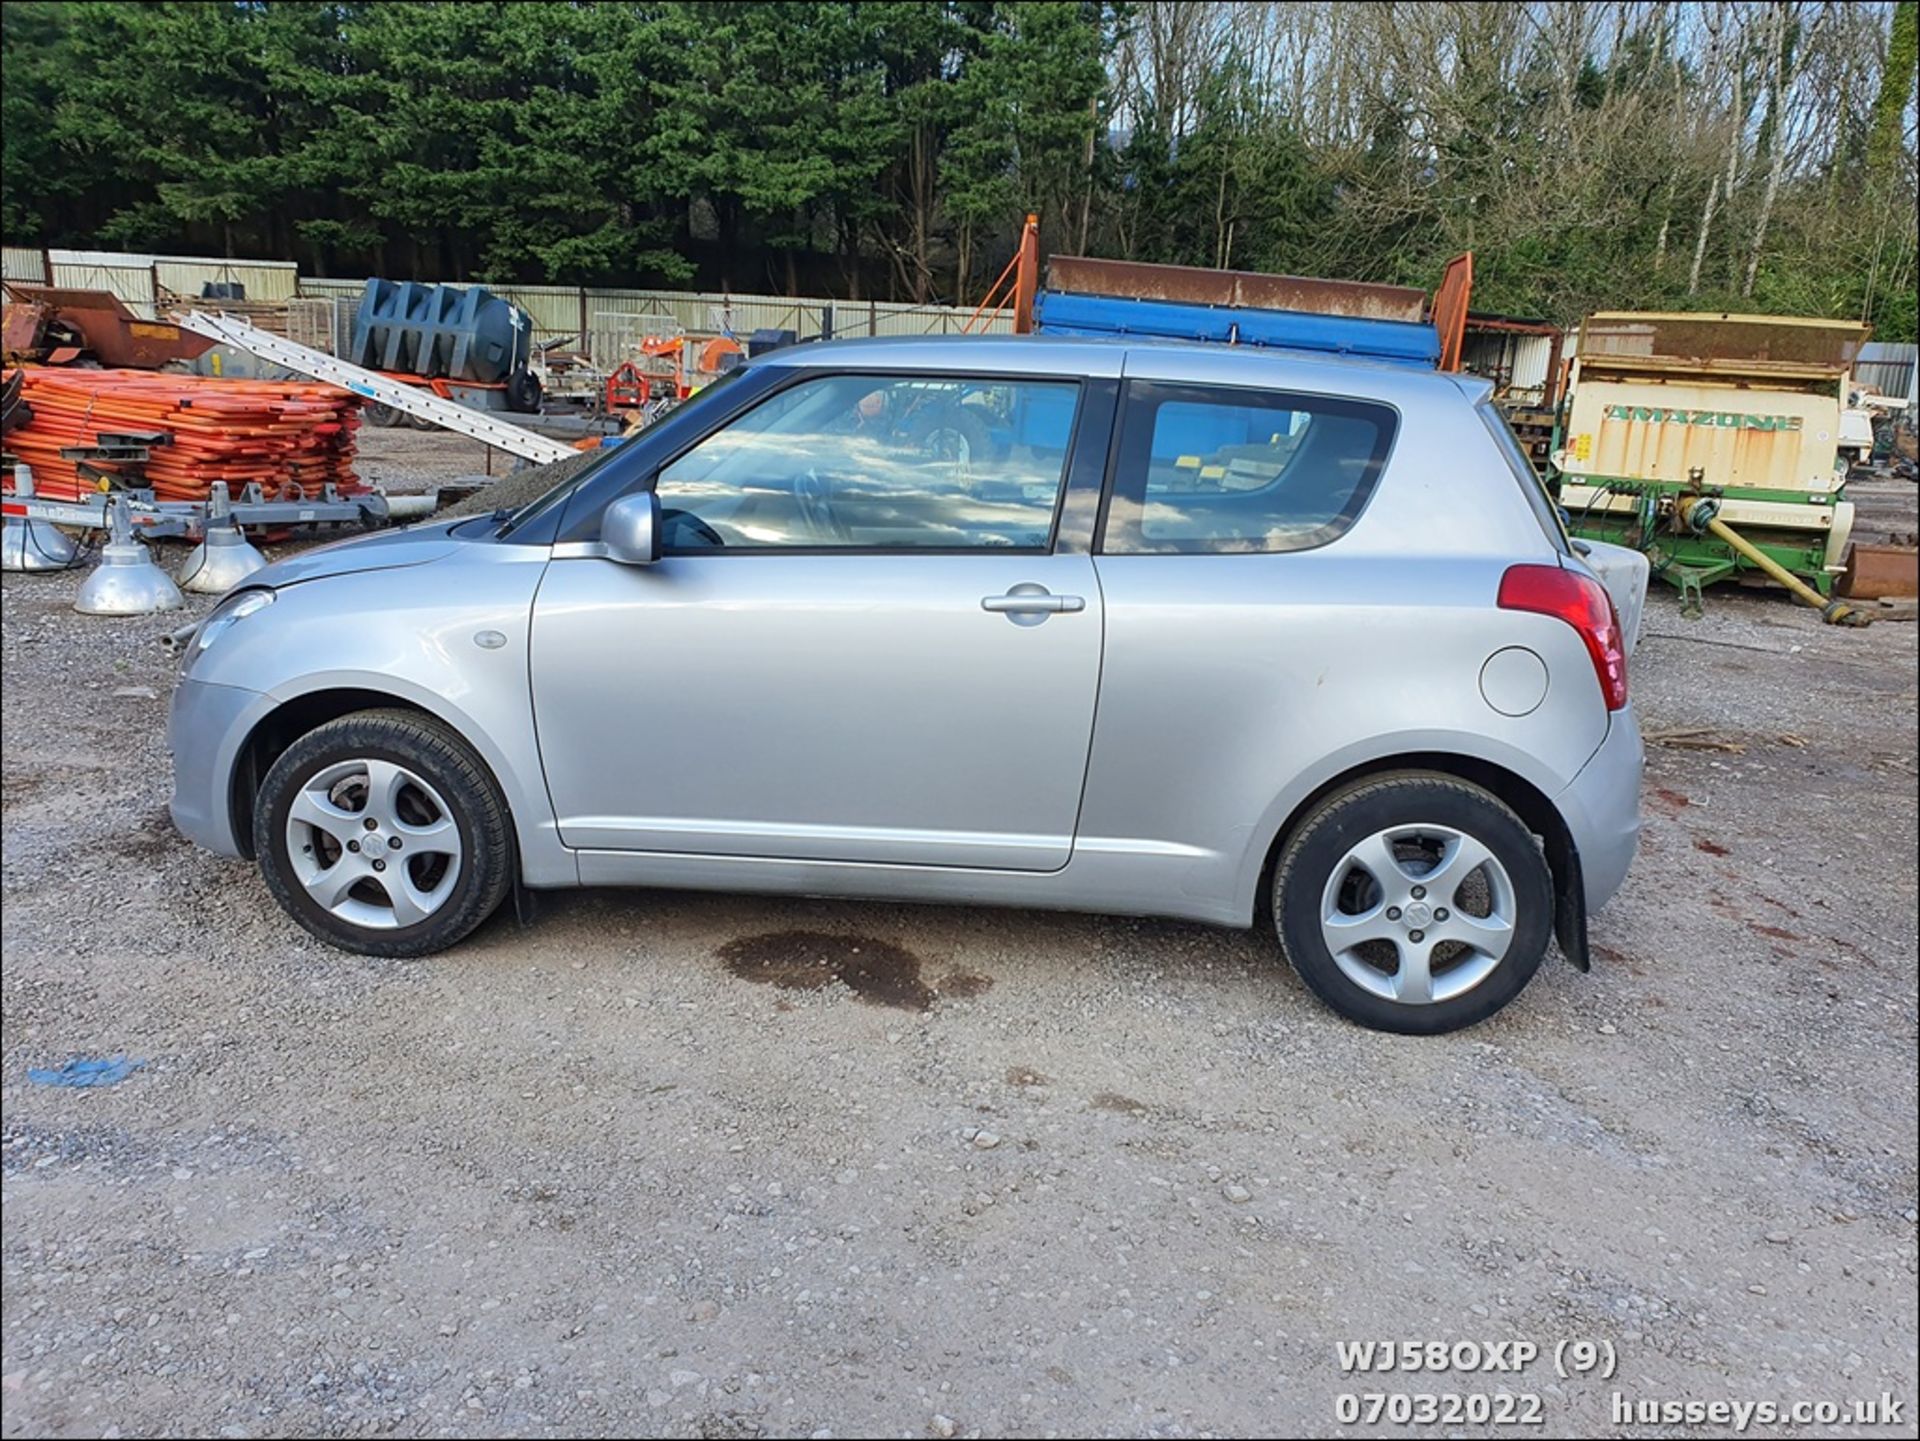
406, 461
698, 1165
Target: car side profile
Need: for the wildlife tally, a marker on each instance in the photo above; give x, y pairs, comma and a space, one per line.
1235, 636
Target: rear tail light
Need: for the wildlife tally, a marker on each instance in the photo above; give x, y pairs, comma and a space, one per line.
1583, 603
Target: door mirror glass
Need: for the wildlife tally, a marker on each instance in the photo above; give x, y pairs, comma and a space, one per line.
630, 529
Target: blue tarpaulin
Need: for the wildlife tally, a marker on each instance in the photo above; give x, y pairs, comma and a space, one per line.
86, 1071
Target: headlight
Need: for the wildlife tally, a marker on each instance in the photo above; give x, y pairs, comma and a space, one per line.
234, 608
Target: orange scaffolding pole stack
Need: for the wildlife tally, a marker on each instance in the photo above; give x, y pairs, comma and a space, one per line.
291, 437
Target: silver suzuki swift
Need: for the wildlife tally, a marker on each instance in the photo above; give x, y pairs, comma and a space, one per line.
1158, 629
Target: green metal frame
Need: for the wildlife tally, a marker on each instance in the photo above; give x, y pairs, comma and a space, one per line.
1692, 562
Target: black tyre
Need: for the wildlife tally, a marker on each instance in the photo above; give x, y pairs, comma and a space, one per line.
523, 392
384, 416
383, 833
955, 434
1414, 902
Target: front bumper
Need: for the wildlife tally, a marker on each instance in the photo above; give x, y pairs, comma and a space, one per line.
206, 726
1602, 809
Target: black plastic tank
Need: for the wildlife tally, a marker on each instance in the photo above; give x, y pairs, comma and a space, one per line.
770, 338
448, 332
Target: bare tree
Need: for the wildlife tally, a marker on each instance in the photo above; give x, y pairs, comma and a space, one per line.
1611, 149
1722, 21
1790, 32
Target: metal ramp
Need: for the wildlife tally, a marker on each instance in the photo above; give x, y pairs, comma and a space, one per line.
414, 400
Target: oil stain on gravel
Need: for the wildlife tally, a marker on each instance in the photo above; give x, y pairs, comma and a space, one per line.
877, 972
964, 985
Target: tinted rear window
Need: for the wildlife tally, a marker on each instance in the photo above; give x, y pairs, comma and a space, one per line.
1211, 470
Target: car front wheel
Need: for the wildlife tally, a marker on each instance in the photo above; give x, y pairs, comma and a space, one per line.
1414, 903
381, 832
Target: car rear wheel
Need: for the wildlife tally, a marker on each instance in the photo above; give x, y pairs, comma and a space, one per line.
1414, 903
381, 832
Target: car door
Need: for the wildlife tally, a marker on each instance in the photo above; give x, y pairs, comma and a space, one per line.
857, 645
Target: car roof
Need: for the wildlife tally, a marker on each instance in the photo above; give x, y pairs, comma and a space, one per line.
1042, 355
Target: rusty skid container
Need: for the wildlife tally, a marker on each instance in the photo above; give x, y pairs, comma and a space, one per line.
1876, 571
1106, 298
56, 325
1192, 285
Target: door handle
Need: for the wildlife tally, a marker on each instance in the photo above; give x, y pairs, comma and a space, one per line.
1035, 601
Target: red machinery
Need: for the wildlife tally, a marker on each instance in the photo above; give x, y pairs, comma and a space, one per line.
628, 388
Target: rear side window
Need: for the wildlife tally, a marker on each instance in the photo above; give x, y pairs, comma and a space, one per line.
1208, 470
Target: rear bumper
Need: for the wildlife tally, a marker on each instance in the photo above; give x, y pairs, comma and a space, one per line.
206, 726
1602, 809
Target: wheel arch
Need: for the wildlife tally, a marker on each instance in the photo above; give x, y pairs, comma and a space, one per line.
1535, 809
285, 724
494, 720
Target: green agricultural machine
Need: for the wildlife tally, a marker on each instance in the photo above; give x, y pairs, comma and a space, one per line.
1711, 442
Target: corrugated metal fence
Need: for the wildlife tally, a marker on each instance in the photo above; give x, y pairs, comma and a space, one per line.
128, 276
597, 320
138, 279
607, 323
1889, 368
1517, 363
22, 262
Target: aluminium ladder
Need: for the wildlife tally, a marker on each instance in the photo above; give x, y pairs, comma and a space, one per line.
412, 399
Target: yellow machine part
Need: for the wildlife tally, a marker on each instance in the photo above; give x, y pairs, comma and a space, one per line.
1664, 430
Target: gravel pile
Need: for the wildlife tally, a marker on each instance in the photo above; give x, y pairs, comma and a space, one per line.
518, 487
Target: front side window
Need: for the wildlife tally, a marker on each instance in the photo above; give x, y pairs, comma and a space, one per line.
878, 462
1212, 470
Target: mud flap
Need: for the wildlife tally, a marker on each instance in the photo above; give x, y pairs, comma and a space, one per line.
525, 904
1569, 902
525, 907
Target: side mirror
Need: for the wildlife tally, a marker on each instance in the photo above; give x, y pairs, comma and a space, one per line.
630, 529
